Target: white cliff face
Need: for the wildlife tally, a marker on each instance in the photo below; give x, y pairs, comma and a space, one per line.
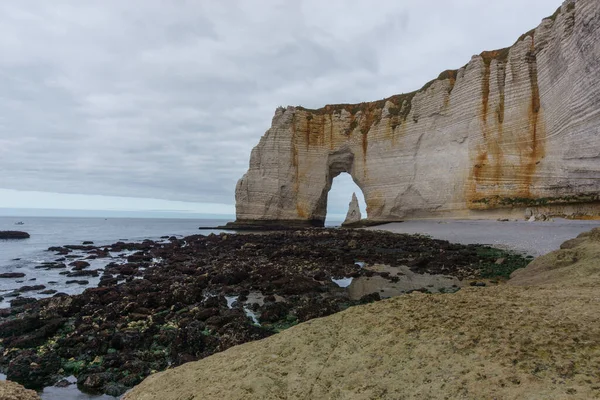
513, 129
353, 216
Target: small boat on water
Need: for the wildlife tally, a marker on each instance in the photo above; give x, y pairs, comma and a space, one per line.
20, 223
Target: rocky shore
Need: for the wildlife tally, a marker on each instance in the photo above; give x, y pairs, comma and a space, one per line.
536, 337
178, 300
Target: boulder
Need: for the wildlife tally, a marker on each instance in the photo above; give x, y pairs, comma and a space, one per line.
14, 235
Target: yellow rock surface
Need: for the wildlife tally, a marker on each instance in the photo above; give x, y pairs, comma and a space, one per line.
13, 391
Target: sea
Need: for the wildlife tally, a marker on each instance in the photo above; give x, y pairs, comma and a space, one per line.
24, 255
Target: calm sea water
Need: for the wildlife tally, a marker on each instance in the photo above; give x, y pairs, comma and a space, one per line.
24, 255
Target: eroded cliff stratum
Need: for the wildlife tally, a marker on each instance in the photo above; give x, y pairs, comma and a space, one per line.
514, 129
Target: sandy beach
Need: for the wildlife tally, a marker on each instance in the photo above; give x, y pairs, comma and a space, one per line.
533, 238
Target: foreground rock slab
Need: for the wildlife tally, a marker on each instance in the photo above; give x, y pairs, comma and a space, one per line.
507, 342
13, 391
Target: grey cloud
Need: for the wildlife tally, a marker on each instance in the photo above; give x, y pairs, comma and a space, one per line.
165, 99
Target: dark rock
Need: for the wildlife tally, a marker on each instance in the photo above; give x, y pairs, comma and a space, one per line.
12, 275
273, 312
115, 389
87, 242
79, 247
205, 313
62, 383
49, 291
215, 301
57, 266
18, 326
31, 288
21, 301
319, 276
55, 248
37, 337
370, 298
95, 381
135, 258
75, 274
32, 370
14, 235
79, 265
79, 282
478, 284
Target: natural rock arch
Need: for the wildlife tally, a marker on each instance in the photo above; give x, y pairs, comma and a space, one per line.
513, 129
338, 162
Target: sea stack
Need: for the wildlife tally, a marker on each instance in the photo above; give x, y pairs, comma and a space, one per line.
353, 216
512, 129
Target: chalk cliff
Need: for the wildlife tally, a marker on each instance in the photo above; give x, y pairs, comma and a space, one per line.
514, 128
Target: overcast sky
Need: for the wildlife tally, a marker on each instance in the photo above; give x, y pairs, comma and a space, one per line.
165, 99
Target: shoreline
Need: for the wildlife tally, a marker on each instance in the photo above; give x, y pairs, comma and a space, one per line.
535, 238
184, 299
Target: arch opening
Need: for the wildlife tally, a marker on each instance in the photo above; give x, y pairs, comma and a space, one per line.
338, 162
338, 199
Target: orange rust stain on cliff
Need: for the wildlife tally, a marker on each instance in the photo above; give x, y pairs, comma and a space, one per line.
370, 116
452, 79
375, 204
480, 166
500, 109
475, 176
487, 184
300, 211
